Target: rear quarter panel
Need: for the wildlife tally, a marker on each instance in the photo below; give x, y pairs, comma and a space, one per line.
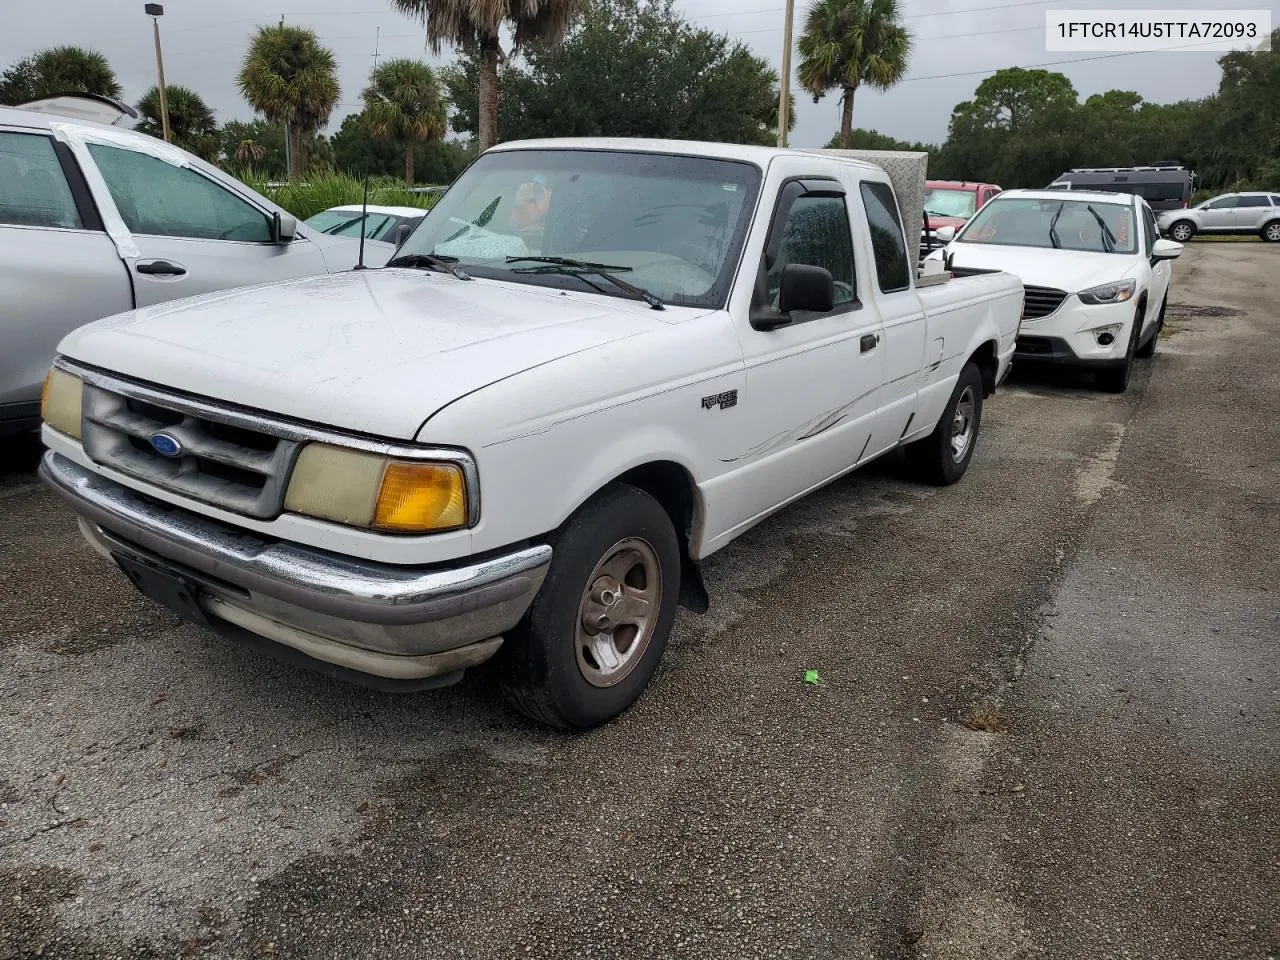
964, 314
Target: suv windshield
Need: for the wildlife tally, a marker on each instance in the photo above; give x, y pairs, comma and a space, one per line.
672, 225
950, 203
1092, 225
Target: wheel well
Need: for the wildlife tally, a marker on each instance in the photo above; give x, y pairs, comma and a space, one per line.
985, 358
673, 487
1268, 223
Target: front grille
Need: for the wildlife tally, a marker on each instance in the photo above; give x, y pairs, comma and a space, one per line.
1039, 302
217, 461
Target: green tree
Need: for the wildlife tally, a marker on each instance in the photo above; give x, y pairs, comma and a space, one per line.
191, 122
355, 151
18, 82
253, 146
629, 68
848, 43
873, 140
59, 70
402, 104
473, 27
291, 79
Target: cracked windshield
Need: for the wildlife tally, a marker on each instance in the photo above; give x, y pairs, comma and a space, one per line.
669, 225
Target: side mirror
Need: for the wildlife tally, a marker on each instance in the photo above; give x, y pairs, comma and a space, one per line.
283, 228
805, 287
1165, 250
945, 234
402, 233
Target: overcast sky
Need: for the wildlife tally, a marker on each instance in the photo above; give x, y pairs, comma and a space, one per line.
957, 42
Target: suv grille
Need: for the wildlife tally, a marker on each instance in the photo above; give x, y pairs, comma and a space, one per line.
217, 461
1040, 301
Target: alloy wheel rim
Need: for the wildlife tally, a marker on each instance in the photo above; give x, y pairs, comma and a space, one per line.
962, 425
617, 612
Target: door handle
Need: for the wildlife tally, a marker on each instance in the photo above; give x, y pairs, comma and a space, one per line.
869, 341
161, 268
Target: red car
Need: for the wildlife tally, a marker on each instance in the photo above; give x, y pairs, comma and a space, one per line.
949, 203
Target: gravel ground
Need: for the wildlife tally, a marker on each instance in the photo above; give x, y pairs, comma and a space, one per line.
1047, 724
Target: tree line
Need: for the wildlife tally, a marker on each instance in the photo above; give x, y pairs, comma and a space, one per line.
638, 68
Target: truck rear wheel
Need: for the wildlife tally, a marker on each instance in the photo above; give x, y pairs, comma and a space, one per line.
943, 457
597, 629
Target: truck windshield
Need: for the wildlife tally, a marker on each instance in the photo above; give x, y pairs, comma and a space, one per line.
672, 225
1092, 225
950, 203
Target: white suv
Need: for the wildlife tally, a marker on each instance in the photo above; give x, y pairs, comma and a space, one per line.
1239, 213
1094, 269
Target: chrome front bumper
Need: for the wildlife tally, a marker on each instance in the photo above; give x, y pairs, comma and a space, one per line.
381, 620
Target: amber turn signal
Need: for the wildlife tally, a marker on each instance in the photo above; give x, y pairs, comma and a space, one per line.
421, 497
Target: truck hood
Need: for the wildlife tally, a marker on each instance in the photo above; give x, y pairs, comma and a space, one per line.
1069, 270
937, 220
375, 351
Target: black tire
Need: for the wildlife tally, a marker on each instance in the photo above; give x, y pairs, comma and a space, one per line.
1270, 232
541, 668
1148, 350
934, 459
1116, 380
1182, 231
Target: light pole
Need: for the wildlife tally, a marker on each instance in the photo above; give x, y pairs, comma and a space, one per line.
155, 11
784, 88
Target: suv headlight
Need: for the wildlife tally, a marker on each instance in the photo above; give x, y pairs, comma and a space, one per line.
378, 492
1108, 293
60, 401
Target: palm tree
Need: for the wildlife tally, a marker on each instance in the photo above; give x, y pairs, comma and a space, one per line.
191, 122
290, 79
402, 103
474, 25
847, 43
74, 70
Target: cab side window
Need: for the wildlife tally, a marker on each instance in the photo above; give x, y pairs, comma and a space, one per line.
1226, 203
33, 189
159, 199
893, 268
816, 233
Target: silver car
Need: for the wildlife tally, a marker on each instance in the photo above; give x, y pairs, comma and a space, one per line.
1239, 213
97, 220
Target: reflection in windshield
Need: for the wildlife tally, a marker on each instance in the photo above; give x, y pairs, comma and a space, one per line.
1069, 224
951, 203
673, 224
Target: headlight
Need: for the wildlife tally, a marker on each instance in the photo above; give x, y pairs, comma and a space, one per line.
377, 492
1108, 293
60, 402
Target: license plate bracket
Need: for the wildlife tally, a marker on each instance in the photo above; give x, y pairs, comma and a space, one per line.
167, 587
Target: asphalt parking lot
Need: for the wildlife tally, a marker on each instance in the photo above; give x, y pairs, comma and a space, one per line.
1048, 724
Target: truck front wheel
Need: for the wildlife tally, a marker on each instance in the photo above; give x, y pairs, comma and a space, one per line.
943, 457
596, 630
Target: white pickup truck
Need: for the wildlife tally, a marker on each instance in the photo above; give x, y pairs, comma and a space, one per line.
592, 365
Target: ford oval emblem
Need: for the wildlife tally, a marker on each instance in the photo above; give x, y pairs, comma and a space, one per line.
166, 445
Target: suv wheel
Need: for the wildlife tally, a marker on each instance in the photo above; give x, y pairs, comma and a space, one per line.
1271, 232
1182, 231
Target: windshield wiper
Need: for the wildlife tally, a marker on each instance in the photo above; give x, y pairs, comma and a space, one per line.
574, 267
1053, 228
433, 261
1108, 238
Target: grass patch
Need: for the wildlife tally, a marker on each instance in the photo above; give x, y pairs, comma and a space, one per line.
985, 718
320, 191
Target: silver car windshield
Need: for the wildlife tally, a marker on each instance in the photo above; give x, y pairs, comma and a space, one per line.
672, 225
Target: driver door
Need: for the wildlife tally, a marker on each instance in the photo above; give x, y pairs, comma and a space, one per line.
1220, 214
190, 234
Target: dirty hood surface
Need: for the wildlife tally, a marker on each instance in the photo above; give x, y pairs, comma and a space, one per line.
375, 351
